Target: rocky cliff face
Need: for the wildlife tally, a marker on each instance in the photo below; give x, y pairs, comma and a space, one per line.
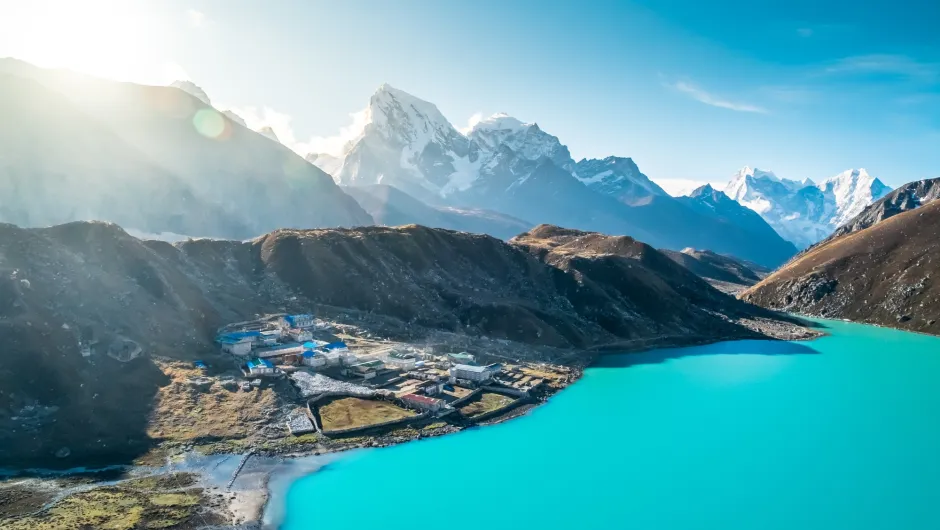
883, 274
131, 300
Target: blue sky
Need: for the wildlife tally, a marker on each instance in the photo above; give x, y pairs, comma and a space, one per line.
689, 89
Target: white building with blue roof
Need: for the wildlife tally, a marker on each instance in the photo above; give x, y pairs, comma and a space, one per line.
260, 367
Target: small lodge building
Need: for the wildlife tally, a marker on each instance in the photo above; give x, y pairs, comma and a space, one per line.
236, 346
430, 388
477, 374
423, 402
310, 358
335, 346
280, 349
268, 338
300, 334
300, 321
461, 358
366, 370
404, 361
259, 366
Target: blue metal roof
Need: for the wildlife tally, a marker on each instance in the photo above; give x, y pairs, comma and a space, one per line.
277, 347
292, 318
309, 345
238, 336
254, 363
334, 345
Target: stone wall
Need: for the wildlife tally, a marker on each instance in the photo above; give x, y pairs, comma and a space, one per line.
314, 402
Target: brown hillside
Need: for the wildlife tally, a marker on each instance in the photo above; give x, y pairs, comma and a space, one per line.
882, 275
93, 282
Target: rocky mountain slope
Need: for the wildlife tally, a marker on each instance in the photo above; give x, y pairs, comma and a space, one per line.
736, 218
908, 197
883, 274
722, 272
93, 172
392, 207
801, 211
133, 300
154, 158
519, 169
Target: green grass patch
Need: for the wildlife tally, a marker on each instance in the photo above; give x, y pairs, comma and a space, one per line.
113, 508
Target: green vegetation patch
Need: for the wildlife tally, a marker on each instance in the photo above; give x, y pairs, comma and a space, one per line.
351, 412
113, 508
161, 482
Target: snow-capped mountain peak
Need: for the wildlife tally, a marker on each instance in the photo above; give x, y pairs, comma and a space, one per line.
269, 133
500, 122
401, 117
802, 211
406, 142
235, 117
526, 139
753, 172
193, 90
617, 176
853, 190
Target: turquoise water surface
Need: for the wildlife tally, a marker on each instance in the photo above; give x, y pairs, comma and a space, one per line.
839, 433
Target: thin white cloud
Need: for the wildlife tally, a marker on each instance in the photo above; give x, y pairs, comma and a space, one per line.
702, 96
257, 118
471, 123
900, 65
336, 145
197, 19
680, 187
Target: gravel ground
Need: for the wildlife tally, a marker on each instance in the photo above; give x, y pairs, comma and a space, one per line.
313, 384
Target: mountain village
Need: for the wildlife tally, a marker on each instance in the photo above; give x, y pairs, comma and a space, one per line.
353, 385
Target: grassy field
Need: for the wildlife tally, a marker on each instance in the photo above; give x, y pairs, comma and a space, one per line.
115, 509
349, 412
182, 413
484, 403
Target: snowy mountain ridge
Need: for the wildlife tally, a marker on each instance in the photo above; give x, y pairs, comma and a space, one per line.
408, 142
512, 166
801, 211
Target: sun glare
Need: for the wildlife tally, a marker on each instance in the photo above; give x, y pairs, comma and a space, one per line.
106, 38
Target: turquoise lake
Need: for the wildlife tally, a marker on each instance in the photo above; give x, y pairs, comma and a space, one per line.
838, 433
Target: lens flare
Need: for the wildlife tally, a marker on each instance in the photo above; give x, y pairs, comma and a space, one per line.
209, 123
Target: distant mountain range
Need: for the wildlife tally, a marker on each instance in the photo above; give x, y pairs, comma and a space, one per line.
518, 169
163, 160
802, 211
